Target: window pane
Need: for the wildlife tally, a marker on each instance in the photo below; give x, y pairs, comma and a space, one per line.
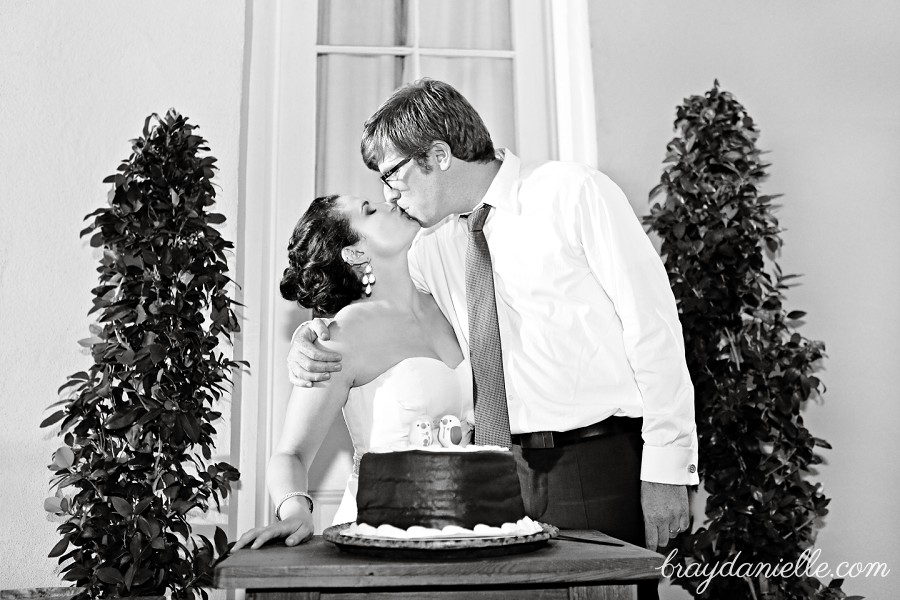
350, 89
485, 82
362, 22
467, 24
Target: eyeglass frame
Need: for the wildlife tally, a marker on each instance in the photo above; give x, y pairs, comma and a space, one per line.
393, 171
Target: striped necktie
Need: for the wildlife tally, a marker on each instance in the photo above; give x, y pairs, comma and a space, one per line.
491, 413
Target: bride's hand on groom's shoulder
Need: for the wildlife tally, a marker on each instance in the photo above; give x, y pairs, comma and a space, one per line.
295, 530
307, 362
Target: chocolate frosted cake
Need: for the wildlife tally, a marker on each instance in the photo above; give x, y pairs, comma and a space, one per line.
437, 489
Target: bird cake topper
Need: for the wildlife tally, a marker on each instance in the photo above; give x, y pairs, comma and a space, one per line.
421, 433
450, 432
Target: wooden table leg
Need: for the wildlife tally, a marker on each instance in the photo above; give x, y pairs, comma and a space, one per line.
603, 592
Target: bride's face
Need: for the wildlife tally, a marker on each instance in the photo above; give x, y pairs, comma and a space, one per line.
384, 228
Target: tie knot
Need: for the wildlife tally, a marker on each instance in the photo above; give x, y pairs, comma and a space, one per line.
477, 217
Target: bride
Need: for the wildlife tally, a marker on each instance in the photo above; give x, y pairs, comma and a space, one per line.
401, 360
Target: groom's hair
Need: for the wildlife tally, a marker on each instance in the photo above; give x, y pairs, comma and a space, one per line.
420, 113
317, 276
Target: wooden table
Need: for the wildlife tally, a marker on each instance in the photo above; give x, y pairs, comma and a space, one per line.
561, 569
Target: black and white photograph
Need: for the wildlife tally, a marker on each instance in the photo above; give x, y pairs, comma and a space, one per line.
448, 299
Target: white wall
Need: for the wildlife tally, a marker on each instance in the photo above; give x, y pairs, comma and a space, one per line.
822, 80
77, 81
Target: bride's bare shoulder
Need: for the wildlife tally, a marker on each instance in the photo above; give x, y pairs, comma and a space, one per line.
354, 329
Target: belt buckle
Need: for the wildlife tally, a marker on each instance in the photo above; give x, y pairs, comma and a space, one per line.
546, 440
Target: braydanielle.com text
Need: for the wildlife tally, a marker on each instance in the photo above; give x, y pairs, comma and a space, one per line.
805, 566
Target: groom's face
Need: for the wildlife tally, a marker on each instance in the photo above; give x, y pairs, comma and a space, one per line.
418, 193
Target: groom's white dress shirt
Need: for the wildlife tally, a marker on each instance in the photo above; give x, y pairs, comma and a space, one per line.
588, 323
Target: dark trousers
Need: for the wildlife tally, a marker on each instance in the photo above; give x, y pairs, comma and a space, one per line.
591, 484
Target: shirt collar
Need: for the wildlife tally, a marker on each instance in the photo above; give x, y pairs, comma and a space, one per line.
502, 192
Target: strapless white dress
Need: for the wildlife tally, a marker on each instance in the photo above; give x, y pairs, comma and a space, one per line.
379, 414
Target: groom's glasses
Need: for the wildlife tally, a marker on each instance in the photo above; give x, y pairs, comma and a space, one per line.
393, 171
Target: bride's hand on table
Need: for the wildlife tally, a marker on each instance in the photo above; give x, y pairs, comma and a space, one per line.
296, 530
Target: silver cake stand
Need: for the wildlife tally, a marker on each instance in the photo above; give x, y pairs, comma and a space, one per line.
439, 548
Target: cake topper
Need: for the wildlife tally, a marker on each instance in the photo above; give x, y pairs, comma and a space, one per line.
450, 432
420, 432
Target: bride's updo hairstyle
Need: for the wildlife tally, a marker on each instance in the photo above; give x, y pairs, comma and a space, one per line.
318, 278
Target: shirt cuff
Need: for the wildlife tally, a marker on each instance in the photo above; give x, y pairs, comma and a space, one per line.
672, 465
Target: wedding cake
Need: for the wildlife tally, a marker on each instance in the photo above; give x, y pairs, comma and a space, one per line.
434, 491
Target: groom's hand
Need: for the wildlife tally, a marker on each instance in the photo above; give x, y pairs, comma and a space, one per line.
666, 512
307, 362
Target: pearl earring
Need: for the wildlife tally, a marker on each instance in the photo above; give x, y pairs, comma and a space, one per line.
368, 279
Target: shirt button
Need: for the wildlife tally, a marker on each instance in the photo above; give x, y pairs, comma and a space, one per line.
692, 469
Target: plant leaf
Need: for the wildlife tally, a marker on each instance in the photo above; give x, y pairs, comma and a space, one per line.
221, 541
64, 457
122, 506
110, 575
57, 416
59, 548
122, 419
53, 504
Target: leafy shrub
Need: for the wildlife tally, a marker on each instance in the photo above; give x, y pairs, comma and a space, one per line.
137, 425
752, 370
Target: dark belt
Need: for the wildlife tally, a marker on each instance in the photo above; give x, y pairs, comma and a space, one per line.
554, 439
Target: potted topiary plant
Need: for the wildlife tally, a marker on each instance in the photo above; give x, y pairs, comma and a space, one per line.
753, 372
137, 426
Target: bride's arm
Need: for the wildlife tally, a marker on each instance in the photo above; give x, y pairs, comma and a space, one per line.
309, 416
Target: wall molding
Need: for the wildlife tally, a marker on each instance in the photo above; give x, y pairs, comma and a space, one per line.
278, 172
576, 120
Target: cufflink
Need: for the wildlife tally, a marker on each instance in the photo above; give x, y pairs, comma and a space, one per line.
692, 469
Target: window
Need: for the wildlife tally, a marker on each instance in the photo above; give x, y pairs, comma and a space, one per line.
367, 49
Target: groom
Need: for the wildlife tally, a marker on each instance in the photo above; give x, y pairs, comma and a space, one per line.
548, 277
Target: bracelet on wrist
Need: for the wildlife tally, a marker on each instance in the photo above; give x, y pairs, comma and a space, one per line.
288, 496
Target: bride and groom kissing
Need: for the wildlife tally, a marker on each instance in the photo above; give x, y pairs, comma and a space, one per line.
525, 300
